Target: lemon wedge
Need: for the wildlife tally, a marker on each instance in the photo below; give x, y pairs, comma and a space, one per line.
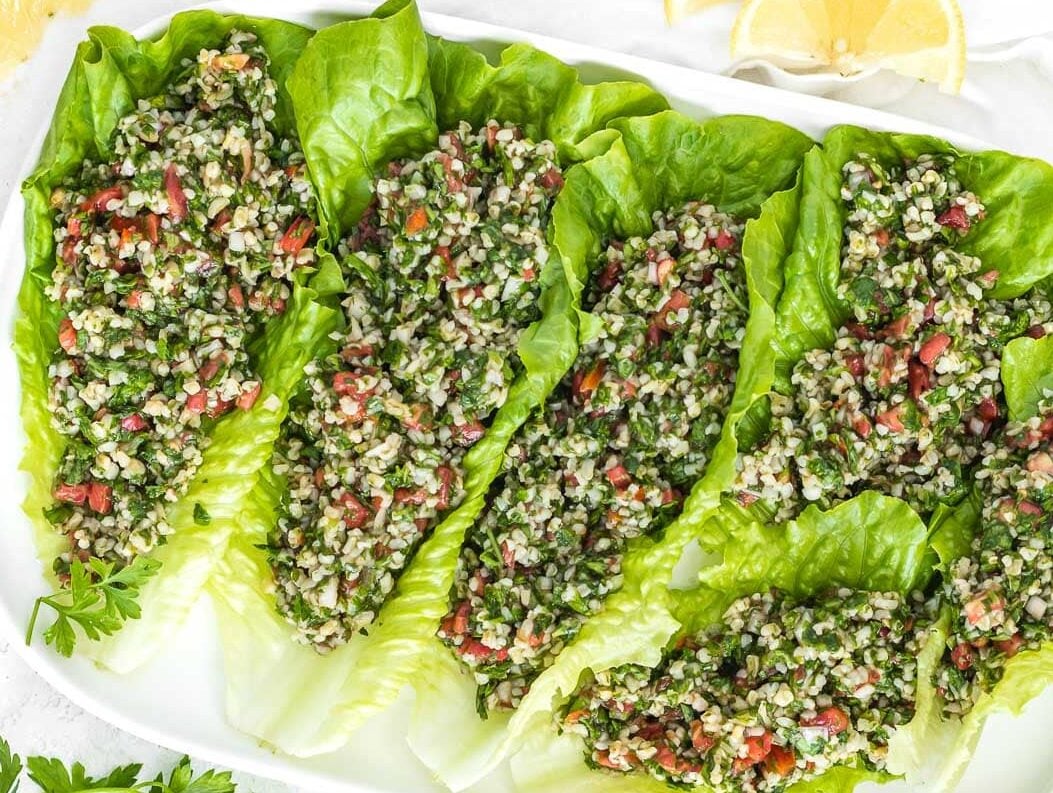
676, 10
919, 38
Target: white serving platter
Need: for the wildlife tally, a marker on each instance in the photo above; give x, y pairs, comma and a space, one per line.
177, 699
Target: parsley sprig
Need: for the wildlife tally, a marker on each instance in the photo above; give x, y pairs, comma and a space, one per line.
52, 776
99, 599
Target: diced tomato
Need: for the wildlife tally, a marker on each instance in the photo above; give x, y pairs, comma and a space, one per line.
67, 335
73, 226
197, 403
962, 656
610, 276
443, 252
588, 381
862, 427
890, 418
933, 348
665, 758
134, 299
881, 237
246, 399
1030, 508
410, 495
855, 364
663, 269
230, 62
700, 739
918, 379
619, 477
345, 383
467, 434
897, 327
417, 221
955, 217
100, 497
982, 605
297, 235
551, 179
355, 512
654, 335
69, 252
508, 554
457, 623
353, 351
236, 296
446, 476
1036, 332
758, 747
833, 720
151, 227
988, 409
1011, 646
780, 761
858, 330
219, 407
671, 496
210, 368
98, 201
888, 365
133, 422
724, 241
677, 300
71, 494
177, 205
603, 758
575, 716
475, 649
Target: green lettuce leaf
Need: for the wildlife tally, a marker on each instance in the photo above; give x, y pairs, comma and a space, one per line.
655, 163
365, 91
110, 72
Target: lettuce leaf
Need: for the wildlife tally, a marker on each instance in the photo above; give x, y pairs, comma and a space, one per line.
110, 72
655, 163
871, 542
365, 91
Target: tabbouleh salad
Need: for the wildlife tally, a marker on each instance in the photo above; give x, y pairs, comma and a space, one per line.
610, 457
445, 270
171, 256
903, 401
777, 692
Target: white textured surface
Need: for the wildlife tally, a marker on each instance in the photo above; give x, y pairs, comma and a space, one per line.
1001, 103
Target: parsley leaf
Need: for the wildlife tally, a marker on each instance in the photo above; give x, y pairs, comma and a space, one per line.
99, 600
201, 516
10, 768
52, 776
182, 780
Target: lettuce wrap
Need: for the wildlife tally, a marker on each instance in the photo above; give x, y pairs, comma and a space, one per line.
739, 164
365, 92
871, 542
1027, 375
110, 72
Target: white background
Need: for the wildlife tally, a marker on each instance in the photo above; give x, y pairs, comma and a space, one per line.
1004, 102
